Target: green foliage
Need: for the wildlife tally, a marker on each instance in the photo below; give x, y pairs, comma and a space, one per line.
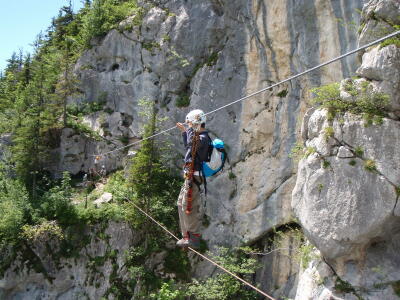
308, 151
326, 164
42, 231
366, 102
183, 100
56, 203
392, 41
224, 286
153, 187
358, 151
82, 128
168, 291
370, 165
352, 162
297, 151
282, 94
212, 59
15, 209
105, 15
305, 252
343, 286
329, 132
85, 108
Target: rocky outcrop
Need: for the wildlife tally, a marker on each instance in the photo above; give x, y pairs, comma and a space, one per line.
50, 268
347, 190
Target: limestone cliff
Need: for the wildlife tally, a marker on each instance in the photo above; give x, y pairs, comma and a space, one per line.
347, 191
213, 52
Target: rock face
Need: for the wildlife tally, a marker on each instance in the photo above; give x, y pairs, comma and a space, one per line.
213, 53
86, 274
347, 190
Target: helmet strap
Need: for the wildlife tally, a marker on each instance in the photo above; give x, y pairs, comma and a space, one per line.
196, 127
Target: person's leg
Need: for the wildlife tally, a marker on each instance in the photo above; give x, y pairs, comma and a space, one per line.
181, 209
190, 223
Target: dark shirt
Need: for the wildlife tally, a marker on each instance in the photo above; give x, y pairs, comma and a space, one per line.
202, 147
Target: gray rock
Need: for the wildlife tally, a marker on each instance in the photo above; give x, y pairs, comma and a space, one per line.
105, 198
344, 206
382, 66
344, 152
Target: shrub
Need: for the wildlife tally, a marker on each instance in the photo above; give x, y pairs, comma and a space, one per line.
183, 100
224, 286
168, 291
329, 132
42, 231
15, 209
56, 203
370, 165
105, 15
367, 103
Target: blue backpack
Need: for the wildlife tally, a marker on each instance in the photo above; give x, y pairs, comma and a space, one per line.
216, 159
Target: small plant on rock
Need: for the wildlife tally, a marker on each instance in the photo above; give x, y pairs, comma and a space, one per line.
329, 132
370, 165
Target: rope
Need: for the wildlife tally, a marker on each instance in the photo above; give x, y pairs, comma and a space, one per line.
264, 89
203, 256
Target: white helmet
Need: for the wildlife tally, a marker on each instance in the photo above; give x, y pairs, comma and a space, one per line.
196, 117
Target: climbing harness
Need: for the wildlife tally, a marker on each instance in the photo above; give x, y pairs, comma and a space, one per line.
202, 255
189, 173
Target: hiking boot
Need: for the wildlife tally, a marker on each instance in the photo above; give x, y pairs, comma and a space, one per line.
192, 241
183, 242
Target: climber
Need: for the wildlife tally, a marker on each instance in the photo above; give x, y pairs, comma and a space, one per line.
197, 143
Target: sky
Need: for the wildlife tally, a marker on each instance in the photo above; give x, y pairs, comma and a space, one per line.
22, 20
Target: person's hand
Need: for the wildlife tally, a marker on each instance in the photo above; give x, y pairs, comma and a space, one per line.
181, 127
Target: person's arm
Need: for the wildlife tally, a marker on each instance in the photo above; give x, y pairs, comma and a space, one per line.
184, 138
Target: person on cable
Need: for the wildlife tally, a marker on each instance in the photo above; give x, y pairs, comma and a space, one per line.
196, 142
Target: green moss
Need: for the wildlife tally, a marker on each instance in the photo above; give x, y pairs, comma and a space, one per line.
282, 94
326, 164
352, 162
397, 188
328, 132
212, 59
350, 88
177, 262
231, 176
183, 101
343, 286
392, 41
358, 151
166, 38
150, 46
309, 151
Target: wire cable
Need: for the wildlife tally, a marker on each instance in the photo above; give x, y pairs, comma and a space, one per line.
202, 255
264, 89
